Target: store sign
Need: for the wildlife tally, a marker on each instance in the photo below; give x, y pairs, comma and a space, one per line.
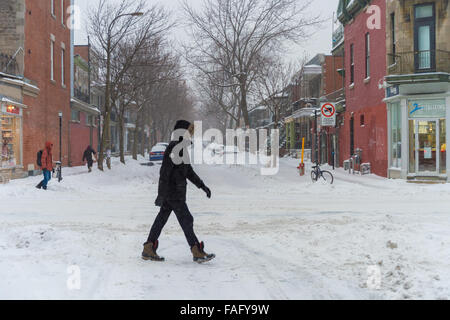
427, 109
392, 91
328, 115
12, 109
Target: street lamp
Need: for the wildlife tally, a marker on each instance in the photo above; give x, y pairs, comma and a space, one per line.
60, 114
106, 142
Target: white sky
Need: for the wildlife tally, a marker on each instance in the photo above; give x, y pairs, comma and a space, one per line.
319, 43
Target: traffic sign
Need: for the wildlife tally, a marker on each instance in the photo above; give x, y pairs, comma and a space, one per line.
328, 115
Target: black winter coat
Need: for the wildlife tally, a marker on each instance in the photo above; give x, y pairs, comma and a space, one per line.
172, 179
87, 155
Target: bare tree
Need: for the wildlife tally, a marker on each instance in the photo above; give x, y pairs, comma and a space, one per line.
113, 27
274, 86
154, 69
174, 102
218, 102
231, 36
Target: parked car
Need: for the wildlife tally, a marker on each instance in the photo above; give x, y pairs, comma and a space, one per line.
165, 144
157, 152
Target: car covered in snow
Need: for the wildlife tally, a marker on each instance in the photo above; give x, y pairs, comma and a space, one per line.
157, 152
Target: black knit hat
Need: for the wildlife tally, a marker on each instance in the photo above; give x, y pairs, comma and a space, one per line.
182, 124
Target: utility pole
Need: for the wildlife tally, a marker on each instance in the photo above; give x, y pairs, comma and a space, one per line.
316, 140
60, 114
89, 69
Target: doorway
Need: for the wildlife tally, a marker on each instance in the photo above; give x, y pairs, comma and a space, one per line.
430, 147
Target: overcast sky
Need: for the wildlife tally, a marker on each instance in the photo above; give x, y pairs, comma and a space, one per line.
319, 43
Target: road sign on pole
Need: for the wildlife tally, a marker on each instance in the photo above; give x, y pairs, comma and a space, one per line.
328, 115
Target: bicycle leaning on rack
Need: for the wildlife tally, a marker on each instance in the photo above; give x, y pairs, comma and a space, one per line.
322, 175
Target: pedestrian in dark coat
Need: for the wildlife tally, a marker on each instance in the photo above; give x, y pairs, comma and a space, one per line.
47, 165
172, 197
87, 157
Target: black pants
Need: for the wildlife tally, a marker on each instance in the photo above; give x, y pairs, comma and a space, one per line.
184, 217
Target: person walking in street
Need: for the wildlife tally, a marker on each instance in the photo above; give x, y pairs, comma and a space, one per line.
46, 161
87, 157
172, 197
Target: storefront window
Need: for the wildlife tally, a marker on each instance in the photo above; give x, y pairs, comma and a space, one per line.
412, 146
10, 139
396, 136
443, 147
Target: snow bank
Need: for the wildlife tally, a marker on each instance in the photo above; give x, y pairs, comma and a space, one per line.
276, 237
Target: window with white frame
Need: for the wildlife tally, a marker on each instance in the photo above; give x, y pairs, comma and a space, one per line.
75, 115
352, 64
52, 60
63, 75
367, 55
62, 12
52, 6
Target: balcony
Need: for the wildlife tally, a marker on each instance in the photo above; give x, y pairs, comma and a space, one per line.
338, 36
419, 62
81, 96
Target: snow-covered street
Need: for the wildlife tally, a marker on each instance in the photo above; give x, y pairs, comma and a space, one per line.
275, 237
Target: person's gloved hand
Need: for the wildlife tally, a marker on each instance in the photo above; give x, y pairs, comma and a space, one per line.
207, 191
159, 202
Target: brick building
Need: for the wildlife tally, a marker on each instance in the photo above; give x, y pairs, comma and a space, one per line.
36, 37
418, 89
365, 120
47, 62
84, 121
332, 89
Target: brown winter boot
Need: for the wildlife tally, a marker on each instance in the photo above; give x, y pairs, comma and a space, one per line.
200, 255
149, 252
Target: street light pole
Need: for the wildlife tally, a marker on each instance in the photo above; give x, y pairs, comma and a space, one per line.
316, 128
60, 114
106, 136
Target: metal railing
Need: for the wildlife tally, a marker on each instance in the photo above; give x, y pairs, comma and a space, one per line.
8, 64
338, 36
419, 62
80, 95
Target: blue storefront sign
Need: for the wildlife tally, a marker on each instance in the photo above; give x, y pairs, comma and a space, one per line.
392, 91
427, 109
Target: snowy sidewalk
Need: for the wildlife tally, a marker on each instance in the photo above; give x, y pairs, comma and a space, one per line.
276, 237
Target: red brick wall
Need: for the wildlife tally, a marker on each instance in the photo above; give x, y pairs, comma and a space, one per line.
366, 98
80, 137
40, 120
332, 79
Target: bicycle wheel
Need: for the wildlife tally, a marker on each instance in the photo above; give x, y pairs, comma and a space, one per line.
314, 176
327, 177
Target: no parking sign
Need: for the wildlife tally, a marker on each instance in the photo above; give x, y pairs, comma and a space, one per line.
328, 115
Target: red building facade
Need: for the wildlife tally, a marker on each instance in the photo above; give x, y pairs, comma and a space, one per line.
47, 63
365, 118
84, 117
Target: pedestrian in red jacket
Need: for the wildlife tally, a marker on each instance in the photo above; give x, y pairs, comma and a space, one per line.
47, 165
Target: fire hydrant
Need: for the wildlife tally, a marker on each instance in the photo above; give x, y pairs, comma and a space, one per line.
301, 169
